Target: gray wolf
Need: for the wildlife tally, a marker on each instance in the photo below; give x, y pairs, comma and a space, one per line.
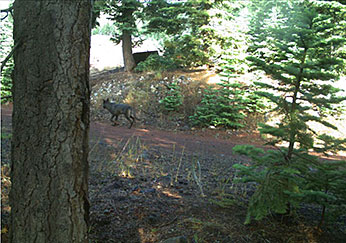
118, 109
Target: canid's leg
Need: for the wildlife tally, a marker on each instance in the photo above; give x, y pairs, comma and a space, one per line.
133, 118
116, 119
128, 115
128, 118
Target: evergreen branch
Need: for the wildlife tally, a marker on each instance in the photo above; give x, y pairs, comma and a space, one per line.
6, 89
307, 118
6, 97
282, 153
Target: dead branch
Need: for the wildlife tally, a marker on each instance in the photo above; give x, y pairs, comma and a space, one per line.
3, 63
7, 10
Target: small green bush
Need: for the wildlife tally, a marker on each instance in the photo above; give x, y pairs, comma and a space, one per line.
156, 63
221, 107
283, 186
173, 99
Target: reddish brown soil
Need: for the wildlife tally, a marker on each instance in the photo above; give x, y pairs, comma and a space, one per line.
194, 142
205, 142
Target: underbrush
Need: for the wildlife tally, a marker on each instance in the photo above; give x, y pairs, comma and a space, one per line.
6, 136
173, 194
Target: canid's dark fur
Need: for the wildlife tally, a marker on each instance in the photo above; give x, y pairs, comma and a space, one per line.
118, 109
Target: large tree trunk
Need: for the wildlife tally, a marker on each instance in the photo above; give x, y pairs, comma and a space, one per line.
129, 61
49, 195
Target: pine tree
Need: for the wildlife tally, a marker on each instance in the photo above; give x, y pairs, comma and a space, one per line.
231, 100
190, 29
173, 99
50, 122
125, 14
206, 112
224, 105
227, 104
301, 52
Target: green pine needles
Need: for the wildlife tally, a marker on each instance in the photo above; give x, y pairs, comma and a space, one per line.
228, 104
301, 51
173, 99
221, 107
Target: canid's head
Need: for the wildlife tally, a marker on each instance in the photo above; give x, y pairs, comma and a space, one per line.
105, 102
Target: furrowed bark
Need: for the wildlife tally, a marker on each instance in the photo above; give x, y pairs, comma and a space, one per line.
49, 195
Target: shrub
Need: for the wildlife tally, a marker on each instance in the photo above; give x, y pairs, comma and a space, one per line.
156, 63
173, 99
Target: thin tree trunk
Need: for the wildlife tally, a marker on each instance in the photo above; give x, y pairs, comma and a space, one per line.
129, 61
322, 217
49, 194
294, 106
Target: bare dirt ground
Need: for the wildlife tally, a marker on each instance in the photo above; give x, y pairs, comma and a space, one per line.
150, 185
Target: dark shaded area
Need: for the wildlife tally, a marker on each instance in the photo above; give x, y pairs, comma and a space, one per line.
142, 56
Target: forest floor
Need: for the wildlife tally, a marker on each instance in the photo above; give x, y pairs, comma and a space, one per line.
150, 184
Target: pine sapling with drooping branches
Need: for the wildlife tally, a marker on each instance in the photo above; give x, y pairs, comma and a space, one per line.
173, 99
224, 105
300, 54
